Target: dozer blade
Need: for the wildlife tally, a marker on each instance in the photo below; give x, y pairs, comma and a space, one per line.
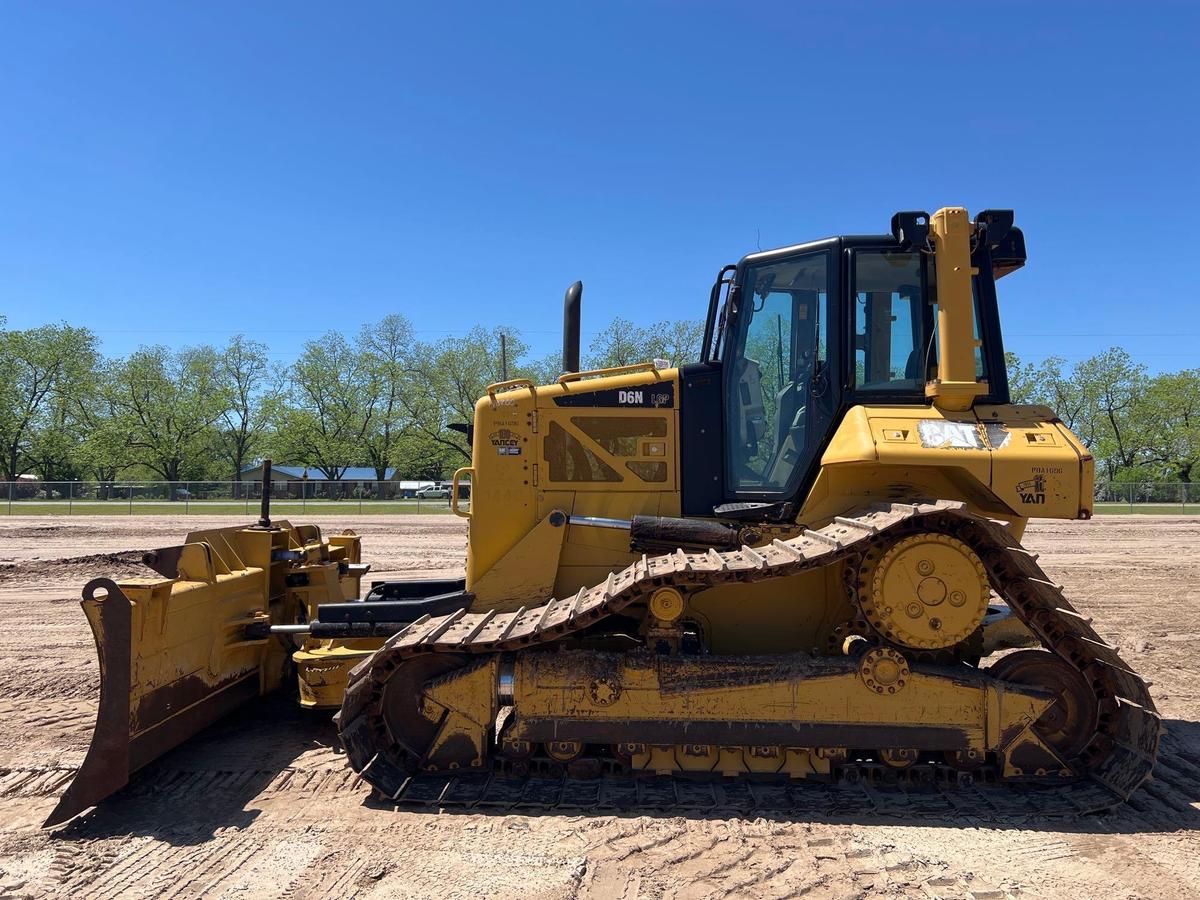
105, 769
176, 653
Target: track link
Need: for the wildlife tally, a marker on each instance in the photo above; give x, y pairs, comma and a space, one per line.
1115, 760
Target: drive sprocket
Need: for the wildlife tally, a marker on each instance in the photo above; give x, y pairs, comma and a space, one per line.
927, 591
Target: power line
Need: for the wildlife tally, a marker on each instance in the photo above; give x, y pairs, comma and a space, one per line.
287, 331
1013, 334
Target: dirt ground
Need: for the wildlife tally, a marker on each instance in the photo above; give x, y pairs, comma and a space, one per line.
261, 805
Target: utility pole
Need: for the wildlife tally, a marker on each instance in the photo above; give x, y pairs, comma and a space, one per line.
503, 358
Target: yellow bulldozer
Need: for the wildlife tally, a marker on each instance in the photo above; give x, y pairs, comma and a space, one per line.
794, 561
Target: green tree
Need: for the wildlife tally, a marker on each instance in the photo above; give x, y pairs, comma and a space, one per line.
328, 412
41, 369
622, 343
678, 341
1047, 383
545, 370
448, 377
250, 389
54, 445
386, 349
167, 404
422, 459
1024, 384
1169, 412
1110, 385
103, 451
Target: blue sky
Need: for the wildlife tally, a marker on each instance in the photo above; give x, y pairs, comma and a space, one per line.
176, 173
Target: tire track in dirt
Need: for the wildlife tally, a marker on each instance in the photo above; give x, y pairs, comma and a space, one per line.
64, 683
721, 858
338, 873
38, 733
191, 785
38, 781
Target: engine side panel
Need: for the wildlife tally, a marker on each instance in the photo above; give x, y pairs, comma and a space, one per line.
602, 447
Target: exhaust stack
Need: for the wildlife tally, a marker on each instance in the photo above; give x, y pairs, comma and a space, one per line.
264, 518
571, 305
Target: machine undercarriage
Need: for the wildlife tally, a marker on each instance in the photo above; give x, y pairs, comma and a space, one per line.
524, 694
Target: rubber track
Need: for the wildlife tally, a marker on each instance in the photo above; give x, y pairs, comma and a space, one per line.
1117, 760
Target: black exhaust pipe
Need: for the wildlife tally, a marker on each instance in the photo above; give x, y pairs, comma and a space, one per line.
264, 519
571, 304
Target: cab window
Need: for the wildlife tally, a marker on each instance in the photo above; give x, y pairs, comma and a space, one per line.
891, 322
776, 349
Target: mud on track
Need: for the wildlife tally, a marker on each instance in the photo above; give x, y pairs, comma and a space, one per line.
262, 805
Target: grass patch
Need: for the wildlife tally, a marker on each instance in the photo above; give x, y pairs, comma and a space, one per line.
279, 508
284, 508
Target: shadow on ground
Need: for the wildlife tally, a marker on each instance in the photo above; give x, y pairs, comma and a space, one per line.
1169, 802
212, 783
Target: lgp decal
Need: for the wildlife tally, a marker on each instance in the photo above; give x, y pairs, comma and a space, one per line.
651, 396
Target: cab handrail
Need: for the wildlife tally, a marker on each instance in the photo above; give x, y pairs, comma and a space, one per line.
614, 370
494, 389
466, 514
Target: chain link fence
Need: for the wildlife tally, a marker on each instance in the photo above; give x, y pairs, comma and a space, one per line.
1163, 497
27, 497
396, 496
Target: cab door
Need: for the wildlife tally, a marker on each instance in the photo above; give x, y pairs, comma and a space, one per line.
779, 370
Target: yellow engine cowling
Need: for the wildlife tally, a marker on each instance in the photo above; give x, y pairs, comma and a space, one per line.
595, 444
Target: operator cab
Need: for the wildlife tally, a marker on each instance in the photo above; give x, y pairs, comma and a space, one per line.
796, 336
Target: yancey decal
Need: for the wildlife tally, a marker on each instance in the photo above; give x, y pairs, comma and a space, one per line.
507, 443
1033, 491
